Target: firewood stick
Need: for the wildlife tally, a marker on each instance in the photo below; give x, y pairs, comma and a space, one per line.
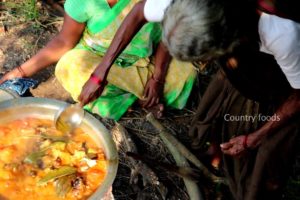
166, 136
149, 176
191, 186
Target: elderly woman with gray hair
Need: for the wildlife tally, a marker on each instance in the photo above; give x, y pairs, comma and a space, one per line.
252, 105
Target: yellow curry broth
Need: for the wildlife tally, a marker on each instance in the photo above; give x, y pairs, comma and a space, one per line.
23, 175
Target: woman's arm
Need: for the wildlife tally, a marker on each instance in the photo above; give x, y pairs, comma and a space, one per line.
286, 112
66, 39
130, 26
155, 86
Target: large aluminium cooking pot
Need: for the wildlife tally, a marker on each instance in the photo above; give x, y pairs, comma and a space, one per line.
47, 108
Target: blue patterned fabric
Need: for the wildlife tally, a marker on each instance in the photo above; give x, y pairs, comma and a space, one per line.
19, 85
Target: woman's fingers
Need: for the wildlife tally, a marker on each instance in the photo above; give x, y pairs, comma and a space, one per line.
150, 99
6, 77
229, 148
228, 152
152, 102
2, 80
233, 148
82, 99
152, 93
146, 92
89, 92
226, 146
147, 102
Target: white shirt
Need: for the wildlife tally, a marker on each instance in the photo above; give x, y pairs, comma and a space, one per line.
279, 37
154, 10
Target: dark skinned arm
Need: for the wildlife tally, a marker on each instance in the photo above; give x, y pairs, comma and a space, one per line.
286, 112
154, 87
65, 40
130, 26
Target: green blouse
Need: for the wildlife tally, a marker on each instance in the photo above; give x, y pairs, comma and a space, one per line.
102, 22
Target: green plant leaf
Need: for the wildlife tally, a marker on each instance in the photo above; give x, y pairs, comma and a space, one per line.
63, 185
57, 173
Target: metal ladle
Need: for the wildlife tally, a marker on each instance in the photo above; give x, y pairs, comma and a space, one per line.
69, 118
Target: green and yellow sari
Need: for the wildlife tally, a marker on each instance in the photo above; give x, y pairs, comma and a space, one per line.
130, 72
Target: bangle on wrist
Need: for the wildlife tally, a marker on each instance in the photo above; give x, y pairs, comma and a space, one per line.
157, 80
95, 79
19, 68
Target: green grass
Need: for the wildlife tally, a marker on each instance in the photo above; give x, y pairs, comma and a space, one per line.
22, 10
30, 10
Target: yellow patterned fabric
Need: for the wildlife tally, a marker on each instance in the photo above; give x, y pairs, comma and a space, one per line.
125, 84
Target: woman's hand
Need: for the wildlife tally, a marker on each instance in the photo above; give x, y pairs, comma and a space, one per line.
66, 39
289, 109
92, 89
155, 86
15, 73
153, 92
237, 146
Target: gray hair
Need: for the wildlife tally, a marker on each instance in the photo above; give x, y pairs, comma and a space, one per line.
194, 30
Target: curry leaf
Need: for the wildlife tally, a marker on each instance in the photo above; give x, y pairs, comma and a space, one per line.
63, 185
34, 157
57, 173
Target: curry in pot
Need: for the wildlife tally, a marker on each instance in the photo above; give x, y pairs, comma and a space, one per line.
39, 162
